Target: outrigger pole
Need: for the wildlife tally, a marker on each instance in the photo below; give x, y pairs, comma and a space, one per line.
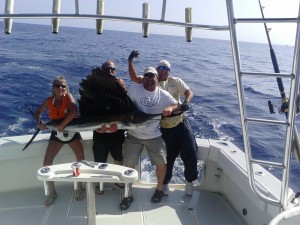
284, 100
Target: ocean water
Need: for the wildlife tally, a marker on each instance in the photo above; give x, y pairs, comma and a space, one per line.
32, 56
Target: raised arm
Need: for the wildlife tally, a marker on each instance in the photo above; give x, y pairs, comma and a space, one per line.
131, 69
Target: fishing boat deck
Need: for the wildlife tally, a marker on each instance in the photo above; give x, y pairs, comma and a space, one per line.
205, 208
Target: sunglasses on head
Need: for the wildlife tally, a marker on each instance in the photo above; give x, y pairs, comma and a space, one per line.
109, 69
163, 68
60, 86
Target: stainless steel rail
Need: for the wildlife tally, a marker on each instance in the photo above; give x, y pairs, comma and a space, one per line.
56, 15
289, 123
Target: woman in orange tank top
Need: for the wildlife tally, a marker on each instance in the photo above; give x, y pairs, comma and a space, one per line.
61, 105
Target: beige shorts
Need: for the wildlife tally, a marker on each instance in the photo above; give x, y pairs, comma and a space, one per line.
133, 147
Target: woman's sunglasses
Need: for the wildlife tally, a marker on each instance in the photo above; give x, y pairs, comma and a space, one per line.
60, 86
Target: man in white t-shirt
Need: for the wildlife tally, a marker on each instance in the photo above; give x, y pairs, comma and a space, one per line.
151, 100
176, 131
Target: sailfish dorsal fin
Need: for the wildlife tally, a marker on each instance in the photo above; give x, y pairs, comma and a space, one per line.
101, 94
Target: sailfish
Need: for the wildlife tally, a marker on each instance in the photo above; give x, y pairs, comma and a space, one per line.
102, 101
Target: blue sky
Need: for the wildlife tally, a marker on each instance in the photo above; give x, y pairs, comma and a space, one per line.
208, 12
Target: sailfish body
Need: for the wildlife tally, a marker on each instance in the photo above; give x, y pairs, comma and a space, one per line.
104, 101
126, 121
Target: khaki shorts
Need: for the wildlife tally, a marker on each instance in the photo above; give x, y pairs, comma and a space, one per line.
133, 147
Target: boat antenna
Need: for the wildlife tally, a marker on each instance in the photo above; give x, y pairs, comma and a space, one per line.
284, 100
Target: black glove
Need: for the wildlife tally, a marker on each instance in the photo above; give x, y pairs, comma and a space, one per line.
133, 54
185, 106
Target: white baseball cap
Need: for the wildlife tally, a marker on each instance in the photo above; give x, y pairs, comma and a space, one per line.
164, 63
150, 70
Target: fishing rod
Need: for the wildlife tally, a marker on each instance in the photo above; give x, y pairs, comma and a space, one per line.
284, 100
284, 106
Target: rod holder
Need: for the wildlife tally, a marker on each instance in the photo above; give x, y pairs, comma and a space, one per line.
188, 19
55, 21
99, 11
9, 8
146, 15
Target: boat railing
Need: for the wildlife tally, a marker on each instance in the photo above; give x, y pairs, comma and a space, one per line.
99, 17
285, 215
289, 123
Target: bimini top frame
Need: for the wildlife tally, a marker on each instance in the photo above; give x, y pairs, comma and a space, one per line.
99, 16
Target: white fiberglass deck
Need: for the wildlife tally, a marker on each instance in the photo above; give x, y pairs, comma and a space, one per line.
204, 208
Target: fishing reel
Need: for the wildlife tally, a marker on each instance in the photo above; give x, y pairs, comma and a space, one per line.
284, 108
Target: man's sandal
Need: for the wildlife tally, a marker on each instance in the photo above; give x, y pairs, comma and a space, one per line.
125, 203
50, 199
156, 198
